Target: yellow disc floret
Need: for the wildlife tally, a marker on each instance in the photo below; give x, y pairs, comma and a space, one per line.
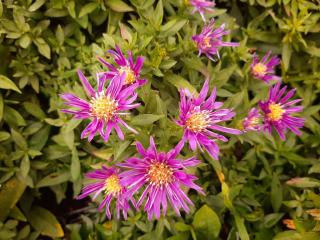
159, 174
112, 185
206, 42
103, 107
130, 76
259, 69
254, 122
197, 121
276, 112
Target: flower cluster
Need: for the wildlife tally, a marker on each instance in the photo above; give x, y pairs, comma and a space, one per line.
150, 179
277, 110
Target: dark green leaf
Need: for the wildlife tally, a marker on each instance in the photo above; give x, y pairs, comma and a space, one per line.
45, 222
10, 193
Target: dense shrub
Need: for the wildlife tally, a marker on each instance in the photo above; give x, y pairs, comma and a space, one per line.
261, 187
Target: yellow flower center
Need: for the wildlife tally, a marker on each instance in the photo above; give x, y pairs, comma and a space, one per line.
197, 121
103, 107
160, 174
112, 185
254, 121
130, 77
206, 42
259, 69
276, 112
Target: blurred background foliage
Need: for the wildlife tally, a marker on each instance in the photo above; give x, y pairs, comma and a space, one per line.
261, 188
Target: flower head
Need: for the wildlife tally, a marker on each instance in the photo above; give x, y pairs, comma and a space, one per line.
108, 184
161, 175
202, 6
264, 69
200, 117
210, 39
253, 121
278, 111
104, 107
124, 65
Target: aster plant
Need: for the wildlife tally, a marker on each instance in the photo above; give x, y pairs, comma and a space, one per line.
210, 40
161, 176
277, 111
200, 118
107, 183
202, 6
123, 65
105, 106
264, 69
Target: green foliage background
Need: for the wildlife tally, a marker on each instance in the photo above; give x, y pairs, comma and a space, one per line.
42, 159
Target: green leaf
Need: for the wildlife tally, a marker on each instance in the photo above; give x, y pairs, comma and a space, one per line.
1, 106
43, 47
304, 182
1, 8
36, 5
271, 219
75, 167
158, 14
55, 122
180, 83
34, 110
52, 12
10, 193
88, 8
24, 232
206, 223
182, 227
54, 179
60, 34
276, 193
145, 119
119, 6
103, 153
39, 140
19, 140
17, 214
25, 166
286, 55
72, 124
172, 27
288, 235
13, 117
4, 136
45, 222
25, 41
68, 138
242, 230
6, 83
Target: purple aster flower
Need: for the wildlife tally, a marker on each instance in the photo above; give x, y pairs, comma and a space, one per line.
108, 184
252, 121
124, 65
277, 111
210, 39
202, 6
104, 108
264, 69
200, 117
161, 175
